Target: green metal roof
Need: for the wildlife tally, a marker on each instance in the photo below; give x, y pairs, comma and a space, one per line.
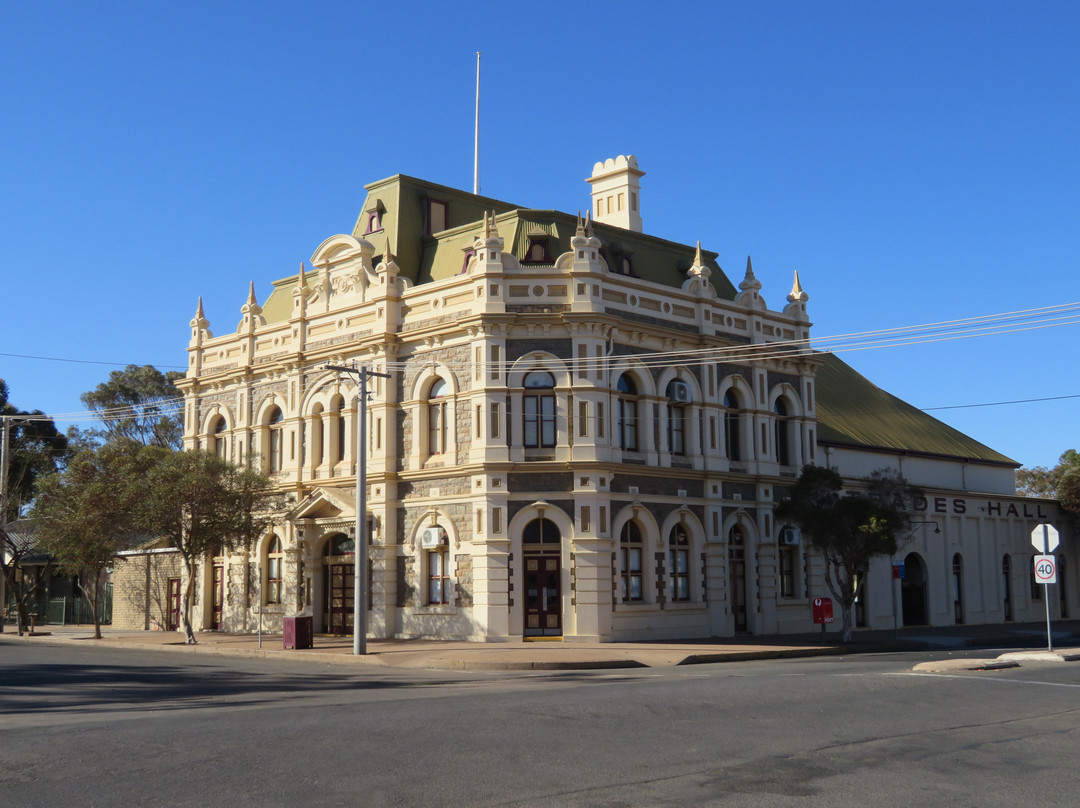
852, 411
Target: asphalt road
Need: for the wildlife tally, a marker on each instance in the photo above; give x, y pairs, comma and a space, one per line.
102, 727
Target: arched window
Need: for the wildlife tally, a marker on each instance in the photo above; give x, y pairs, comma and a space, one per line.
628, 413
338, 409
678, 394
540, 531
788, 552
437, 559
437, 417
679, 561
539, 410
732, 432
631, 551
276, 430
1006, 586
219, 442
274, 574
782, 438
958, 588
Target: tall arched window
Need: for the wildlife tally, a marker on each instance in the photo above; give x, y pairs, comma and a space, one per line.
631, 551
437, 417
219, 442
732, 432
338, 409
539, 410
628, 413
958, 588
274, 573
678, 394
782, 438
1006, 586
274, 442
679, 562
437, 552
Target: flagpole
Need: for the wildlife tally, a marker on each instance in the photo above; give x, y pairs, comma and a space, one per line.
476, 142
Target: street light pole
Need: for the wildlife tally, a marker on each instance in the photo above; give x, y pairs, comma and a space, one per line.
360, 593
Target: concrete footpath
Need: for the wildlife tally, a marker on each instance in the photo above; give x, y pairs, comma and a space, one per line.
569, 655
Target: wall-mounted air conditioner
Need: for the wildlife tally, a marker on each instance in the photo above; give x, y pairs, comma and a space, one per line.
789, 538
431, 537
680, 392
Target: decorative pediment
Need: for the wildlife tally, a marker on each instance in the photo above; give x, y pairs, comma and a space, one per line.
326, 503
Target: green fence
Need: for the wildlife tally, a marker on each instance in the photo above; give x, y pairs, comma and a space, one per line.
75, 610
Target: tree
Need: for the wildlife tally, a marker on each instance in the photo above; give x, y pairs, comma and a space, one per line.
139, 403
86, 514
199, 503
1062, 482
30, 447
848, 530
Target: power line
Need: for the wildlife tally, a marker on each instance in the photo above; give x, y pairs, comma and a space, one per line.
902, 336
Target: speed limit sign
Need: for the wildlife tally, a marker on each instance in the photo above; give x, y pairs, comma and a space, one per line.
1045, 569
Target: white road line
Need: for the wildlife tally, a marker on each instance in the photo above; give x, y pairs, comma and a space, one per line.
982, 679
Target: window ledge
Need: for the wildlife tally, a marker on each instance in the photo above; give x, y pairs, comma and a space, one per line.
441, 608
684, 606
636, 608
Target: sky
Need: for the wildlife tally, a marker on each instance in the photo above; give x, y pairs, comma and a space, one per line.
915, 162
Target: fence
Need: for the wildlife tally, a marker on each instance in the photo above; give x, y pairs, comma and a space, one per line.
72, 610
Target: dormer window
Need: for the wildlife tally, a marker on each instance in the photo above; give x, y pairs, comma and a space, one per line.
469, 255
438, 216
374, 222
538, 251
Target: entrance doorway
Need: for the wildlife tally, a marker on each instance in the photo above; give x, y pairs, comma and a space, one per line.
541, 551
913, 591
219, 594
339, 579
172, 607
737, 577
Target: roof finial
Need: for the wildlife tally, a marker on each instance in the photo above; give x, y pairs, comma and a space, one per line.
487, 227
797, 293
301, 281
198, 310
588, 223
697, 255
251, 295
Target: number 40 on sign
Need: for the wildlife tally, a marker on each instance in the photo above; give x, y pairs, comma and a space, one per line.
1045, 569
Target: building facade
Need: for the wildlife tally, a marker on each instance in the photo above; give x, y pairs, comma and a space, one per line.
583, 433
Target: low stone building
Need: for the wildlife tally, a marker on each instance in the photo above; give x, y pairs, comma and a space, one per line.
583, 433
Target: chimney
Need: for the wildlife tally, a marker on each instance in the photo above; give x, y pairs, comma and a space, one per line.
616, 197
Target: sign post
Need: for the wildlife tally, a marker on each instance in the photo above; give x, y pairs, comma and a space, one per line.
1045, 538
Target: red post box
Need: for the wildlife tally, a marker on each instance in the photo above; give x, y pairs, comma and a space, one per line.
823, 610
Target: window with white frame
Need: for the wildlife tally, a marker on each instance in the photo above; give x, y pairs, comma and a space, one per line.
732, 427
678, 394
782, 436
219, 442
627, 413
538, 410
437, 560
274, 571
437, 417
275, 445
631, 555
679, 564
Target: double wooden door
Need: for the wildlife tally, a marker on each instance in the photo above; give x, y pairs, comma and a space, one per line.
543, 601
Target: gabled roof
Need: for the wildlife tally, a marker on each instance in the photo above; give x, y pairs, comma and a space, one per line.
853, 411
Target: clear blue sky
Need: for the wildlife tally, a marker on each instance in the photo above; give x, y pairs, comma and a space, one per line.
915, 162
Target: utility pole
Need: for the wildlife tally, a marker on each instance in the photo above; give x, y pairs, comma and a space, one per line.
5, 448
360, 593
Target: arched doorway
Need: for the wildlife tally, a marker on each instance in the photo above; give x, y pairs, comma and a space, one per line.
541, 544
339, 567
958, 588
737, 577
1061, 586
913, 591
